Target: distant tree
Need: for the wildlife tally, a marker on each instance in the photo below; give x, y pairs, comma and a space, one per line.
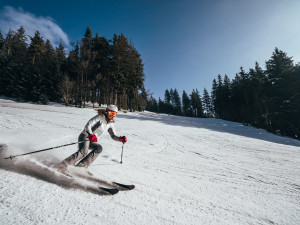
61, 58
102, 51
2, 42
155, 106
86, 64
65, 88
167, 96
168, 108
207, 104
196, 103
52, 74
152, 104
127, 71
120, 48
142, 101
33, 80
226, 98
161, 106
73, 71
279, 70
12, 57
186, 104
256, 91
175, 102
134, 78
214, 93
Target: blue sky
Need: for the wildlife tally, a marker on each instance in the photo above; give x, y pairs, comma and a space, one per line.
183, 44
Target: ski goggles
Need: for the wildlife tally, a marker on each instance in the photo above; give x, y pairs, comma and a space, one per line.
111, 113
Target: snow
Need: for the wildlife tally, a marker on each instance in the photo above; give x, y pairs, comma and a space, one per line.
186, 170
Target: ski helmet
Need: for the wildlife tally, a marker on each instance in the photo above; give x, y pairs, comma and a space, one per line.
112, 108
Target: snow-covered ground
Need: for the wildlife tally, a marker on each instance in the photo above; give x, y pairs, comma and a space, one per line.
186, 170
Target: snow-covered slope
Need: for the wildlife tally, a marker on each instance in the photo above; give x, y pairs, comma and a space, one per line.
186, 170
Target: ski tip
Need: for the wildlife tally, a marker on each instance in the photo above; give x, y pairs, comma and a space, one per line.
111, 191
128, 187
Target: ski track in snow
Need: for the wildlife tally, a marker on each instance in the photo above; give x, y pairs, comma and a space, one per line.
186, 171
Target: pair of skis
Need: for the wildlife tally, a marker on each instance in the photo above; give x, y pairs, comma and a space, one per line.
119, 187
103, 186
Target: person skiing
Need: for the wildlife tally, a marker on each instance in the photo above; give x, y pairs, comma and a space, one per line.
88, 138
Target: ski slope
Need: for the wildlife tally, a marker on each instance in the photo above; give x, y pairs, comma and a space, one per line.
186, 170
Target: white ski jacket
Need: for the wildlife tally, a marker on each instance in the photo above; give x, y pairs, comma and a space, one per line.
99, 125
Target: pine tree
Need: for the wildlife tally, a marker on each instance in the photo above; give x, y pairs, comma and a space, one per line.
14, 57
52, 73
73, 72
86, 59
214, 97
35, 70
167, 104
256, 82
127, 71
161, 106
102, 51
207, 104
152, 104
2, 42
291, 118
61, 57
134, 76
120, 50
196, 103
6, 70
177, 103
277, 101
226, 98
186, 104
19, 46
167, 96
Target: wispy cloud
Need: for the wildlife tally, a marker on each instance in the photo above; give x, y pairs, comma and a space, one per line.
11, 18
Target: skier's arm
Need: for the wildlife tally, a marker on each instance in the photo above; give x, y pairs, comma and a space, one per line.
92, 123
112, 134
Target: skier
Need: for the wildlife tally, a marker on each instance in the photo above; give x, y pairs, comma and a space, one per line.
93, 130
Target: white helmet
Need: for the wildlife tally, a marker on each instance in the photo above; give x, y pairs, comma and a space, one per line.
112, 108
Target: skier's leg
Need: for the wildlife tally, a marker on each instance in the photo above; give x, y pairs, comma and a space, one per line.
96, 150
82, 151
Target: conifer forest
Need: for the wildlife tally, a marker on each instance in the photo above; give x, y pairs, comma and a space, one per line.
103, 71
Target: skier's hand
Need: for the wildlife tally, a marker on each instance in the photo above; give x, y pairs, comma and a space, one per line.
93, 138
123, 139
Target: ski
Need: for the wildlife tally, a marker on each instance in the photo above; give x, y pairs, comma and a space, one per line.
112, 185
98, 189
111, 191
126, 186
85, 174
117, 185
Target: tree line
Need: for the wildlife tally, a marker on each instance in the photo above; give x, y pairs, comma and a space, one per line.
96, 70
103, 71
264, 98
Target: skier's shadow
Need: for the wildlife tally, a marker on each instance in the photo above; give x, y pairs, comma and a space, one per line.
40, 170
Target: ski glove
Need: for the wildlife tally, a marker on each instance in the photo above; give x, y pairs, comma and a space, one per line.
123, 139
93, 138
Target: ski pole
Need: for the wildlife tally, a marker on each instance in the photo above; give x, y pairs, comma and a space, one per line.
122, 153
13, 156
